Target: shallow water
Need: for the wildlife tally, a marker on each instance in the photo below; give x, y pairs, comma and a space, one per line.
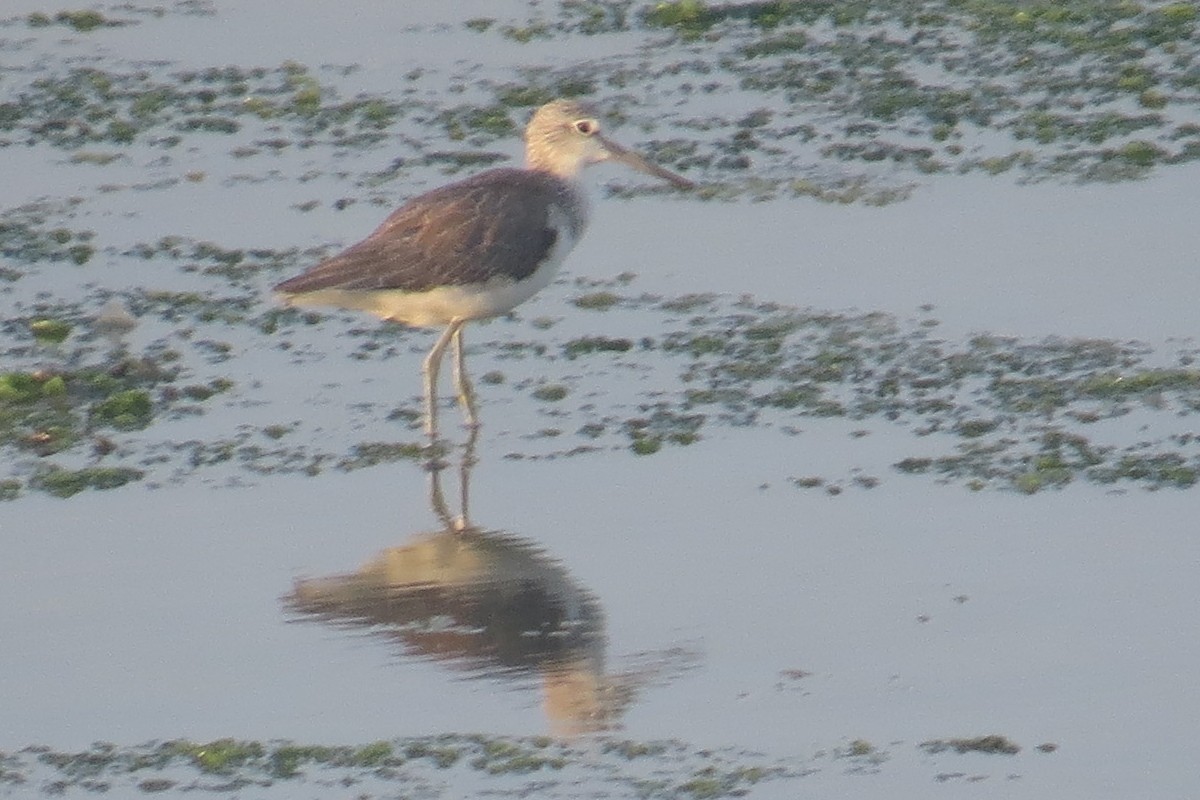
785, 621
707, 593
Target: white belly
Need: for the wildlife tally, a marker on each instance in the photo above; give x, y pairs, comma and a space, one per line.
439, 306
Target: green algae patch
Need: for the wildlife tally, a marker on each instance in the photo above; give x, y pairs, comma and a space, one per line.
129, 410
28, 237
62, 482
712, 782
630, 749
491, 122
50, 331
370, 454
220, 756
1164, 469
587, 345
22, 388
443, 751
596, 301
82, 21
503, 756
1117, 385
691, 18
78, 407
993, 744
550, 393
642, 444
288, 760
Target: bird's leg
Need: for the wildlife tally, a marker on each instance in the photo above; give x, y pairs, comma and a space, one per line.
466, 392
464, 480
437, 498
429, 371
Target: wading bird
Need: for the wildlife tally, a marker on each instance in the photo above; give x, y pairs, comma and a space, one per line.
476, 248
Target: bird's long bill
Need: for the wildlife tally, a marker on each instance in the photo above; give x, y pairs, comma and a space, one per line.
631, 159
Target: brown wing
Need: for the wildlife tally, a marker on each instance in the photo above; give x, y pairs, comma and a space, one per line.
496, 223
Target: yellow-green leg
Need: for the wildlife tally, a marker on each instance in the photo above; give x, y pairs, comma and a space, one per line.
466, 392
429, 371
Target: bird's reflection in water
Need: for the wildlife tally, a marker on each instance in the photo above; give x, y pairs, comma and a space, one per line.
487, 602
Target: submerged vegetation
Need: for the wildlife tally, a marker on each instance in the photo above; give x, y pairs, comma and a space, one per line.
82, 21
441, 766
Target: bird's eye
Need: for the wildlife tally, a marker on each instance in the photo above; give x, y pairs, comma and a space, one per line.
586, 126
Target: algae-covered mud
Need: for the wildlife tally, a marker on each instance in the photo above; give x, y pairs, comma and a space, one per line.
636, 372
987, 411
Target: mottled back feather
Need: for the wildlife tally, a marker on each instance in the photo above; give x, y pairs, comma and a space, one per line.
493, 224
